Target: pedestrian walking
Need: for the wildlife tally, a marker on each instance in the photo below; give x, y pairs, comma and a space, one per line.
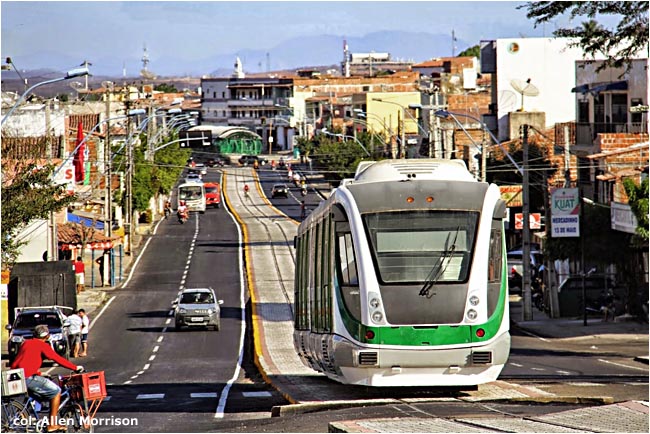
79, 273
85, 327
74, 334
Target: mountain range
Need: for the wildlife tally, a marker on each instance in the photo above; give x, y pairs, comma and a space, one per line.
291, 53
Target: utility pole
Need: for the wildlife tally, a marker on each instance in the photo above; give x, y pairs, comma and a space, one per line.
108, 200
129, 184
528, 308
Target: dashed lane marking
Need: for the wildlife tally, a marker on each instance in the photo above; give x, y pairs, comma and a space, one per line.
256, 394
204, 395
150, 396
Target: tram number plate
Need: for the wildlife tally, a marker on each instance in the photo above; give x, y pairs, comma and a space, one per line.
196, 319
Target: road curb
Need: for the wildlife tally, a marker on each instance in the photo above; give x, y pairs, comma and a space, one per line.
308, 407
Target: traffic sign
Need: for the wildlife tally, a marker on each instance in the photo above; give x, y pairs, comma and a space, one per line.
534, 220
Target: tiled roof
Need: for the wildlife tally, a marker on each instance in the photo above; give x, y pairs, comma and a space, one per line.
70, 234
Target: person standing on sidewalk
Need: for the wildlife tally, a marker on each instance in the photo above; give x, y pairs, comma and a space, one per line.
79, 273
85, 327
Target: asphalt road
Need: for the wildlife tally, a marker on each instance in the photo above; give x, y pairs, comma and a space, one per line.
179, 381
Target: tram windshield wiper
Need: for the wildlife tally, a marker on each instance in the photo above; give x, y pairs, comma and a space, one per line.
440, 266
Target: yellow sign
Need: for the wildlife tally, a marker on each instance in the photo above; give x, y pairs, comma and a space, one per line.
512, 195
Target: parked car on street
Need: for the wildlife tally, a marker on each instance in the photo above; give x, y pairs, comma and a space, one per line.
197, 307
29, 317
516, 267
280, 190
245, 160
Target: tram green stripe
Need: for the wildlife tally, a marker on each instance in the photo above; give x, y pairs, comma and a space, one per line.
411, 336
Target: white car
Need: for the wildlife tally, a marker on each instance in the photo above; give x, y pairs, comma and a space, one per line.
193, 177
197, 307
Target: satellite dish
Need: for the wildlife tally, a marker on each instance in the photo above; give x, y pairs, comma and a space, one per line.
507, 101
525, 88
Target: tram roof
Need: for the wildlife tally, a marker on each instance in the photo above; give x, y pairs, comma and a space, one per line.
420, 169
225, 131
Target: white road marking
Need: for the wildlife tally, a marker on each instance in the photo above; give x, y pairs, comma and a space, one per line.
153, 356
140, 372
221, 407
134, 377
538, 369
204, 395
168, 321
155, 349
160, 338
516, 364
128, 382
101, 312
147, 366
622, 365
150, 396
563, 372
256, 394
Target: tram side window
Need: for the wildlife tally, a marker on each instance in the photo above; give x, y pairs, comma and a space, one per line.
317, 313
495, 266
301, 293
347, 260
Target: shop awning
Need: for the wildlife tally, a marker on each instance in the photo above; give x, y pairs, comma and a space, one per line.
70, 237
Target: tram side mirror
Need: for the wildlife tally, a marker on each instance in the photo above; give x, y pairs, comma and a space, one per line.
295, 242
499, 210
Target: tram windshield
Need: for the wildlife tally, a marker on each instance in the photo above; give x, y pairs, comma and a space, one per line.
422, 246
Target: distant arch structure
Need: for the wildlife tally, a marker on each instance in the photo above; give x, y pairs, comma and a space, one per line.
232, 139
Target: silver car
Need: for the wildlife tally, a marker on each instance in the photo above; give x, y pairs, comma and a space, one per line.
197, 307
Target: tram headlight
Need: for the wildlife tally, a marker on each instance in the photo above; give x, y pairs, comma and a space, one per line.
472, 314
374, 302
474, 300
377, 317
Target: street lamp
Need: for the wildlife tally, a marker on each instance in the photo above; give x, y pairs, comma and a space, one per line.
369, 128
77, 72
445, 114
324, 131
134, 112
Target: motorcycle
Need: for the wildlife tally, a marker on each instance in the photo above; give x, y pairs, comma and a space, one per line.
182, 216
168, 212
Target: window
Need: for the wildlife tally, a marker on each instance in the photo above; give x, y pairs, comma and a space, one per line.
347, 260
619, 108
418, 246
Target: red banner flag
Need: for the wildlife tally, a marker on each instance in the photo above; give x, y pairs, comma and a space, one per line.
78, 160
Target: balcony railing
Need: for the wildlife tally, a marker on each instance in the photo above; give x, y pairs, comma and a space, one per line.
586, 133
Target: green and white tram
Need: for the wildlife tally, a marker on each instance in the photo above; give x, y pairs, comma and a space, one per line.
401, 278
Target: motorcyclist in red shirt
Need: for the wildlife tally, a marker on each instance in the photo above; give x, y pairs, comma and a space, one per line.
30, 358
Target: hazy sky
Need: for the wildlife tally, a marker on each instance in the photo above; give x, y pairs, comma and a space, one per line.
90, 29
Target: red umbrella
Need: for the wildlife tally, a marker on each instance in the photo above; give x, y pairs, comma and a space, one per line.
78, 160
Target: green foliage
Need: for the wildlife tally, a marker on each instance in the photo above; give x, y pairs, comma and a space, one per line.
27, 194
638, 200
166, 88
474, 51
151, 179
629, 37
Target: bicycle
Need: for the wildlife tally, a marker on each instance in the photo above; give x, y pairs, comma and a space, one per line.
32, 414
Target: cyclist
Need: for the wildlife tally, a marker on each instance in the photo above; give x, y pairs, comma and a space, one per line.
30, 357
246, 190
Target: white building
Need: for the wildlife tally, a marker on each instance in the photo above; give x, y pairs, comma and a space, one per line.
549, 64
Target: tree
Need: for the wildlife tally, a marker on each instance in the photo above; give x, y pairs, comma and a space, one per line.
28, 193
619, 45
638, 201
474, 51
166, 88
